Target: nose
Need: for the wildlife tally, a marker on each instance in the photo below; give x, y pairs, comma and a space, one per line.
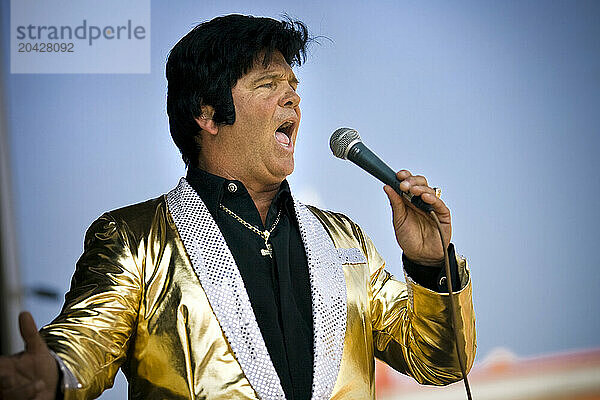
290, 99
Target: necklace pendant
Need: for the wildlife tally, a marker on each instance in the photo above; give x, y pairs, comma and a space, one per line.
268, 251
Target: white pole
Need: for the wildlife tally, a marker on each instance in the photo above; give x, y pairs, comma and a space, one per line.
9, 272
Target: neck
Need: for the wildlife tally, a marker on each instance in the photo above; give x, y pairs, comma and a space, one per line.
262, 199
262, 194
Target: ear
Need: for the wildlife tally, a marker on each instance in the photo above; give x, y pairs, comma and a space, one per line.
205, 120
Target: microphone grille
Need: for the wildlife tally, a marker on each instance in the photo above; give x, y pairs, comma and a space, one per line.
341, 140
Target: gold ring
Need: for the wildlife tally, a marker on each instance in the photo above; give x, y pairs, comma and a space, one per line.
438, 192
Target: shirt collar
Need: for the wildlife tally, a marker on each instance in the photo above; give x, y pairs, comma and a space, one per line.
212, 189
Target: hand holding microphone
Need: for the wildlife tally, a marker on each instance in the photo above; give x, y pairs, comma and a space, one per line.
416, 233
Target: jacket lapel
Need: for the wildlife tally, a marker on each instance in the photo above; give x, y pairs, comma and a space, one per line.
221, 280
328, 291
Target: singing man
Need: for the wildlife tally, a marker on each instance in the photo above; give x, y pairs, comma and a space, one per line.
228, 287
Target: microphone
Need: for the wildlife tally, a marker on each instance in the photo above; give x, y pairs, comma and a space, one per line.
345, 143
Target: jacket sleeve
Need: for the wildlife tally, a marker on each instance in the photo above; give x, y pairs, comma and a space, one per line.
92, 333
412, 325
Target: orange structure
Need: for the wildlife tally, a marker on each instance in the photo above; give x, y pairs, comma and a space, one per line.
503, 376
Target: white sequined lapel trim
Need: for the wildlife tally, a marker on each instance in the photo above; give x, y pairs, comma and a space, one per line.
221, 280
328, 289
351, 256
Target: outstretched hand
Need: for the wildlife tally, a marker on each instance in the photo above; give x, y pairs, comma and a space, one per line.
31, 374
416, 232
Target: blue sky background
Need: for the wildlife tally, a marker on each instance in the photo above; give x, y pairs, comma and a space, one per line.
495, 102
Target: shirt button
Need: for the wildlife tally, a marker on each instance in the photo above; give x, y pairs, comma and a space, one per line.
232, 187
442, 281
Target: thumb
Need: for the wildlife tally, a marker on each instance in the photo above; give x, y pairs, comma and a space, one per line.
33, 341
395, 199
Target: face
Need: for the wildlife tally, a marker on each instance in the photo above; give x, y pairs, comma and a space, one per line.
260, 144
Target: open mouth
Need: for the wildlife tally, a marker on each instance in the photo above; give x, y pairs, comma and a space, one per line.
284, 133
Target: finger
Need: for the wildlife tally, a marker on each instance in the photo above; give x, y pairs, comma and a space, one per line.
440, 208
27, 391
419, 190
403, 174
428, 196
415, 180
395, 199
30, 334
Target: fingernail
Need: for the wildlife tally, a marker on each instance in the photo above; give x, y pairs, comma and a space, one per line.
39, 385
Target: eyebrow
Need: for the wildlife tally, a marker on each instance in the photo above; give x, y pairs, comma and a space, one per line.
275, 75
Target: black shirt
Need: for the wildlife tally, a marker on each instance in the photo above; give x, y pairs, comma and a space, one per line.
279, 287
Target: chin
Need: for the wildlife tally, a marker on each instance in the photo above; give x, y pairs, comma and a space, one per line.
285, 169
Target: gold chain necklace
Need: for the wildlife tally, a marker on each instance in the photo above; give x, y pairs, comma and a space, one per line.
268, 250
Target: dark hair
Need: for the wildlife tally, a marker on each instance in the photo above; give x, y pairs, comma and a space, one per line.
205, 64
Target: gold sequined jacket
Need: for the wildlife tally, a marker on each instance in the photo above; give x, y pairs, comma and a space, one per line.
157, 293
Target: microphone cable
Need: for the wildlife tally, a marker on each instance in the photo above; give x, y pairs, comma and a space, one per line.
453, 308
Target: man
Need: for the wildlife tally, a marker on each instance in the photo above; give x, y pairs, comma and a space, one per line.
228, 287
